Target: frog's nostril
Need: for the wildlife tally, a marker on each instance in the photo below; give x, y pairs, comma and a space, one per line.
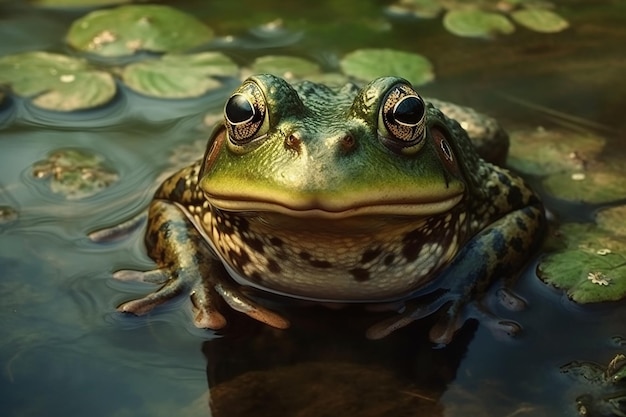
347, 143
293, 142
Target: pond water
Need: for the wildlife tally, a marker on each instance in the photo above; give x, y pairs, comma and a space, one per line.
65, 351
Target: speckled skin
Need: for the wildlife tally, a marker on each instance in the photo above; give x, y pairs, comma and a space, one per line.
303, 249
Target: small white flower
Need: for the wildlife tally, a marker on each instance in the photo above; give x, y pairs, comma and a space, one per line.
598, 278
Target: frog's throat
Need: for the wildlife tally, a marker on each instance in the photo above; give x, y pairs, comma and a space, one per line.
319, 210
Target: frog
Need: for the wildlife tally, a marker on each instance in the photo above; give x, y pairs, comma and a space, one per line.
339, 195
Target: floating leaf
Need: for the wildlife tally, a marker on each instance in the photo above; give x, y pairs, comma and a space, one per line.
544, 152
591, 267
600, 182
128, 29
329, 78
367, 64
57, 82
570, 163
75, 173
178, 76
289, 67
540, 20
78, 3
424, 9
477, 23
613, 219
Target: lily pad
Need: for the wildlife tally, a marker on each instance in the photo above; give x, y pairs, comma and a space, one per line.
600, 182
367, 64
424, 9
329, 78
540, 20
571, 163
78, 3
288, 67
544, 152
74, 173
179, 76
57, 82
591, 267
477, 23
127, 29
613, 219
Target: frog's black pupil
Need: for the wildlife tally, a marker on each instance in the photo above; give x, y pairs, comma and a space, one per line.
239, 109
409, 111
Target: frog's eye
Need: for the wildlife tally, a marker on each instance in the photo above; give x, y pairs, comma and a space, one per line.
401, 120
245, 114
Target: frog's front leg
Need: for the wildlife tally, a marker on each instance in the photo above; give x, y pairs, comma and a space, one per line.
499, 250
188, 266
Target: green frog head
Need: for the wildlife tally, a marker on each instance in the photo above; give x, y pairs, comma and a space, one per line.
308, 150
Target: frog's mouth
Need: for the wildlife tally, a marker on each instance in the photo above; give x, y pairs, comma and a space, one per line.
336, 209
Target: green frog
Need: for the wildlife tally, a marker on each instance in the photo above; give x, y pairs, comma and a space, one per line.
365, 195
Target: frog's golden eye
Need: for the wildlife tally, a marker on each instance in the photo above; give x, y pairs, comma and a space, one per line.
402, 119
245, 114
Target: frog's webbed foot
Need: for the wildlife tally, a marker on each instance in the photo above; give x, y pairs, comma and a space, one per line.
205, 300
453, 311
449, 321
189, 267
410, 314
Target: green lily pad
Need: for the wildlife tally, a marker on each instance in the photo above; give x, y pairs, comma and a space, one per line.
57, 82
600, 182
288, 67
571, 163
179, 76
74, 173
367, 64
127, 29
591, 267
329, 78
78, 3
477, 23
613, 219
540, 20
424, 9
543, 152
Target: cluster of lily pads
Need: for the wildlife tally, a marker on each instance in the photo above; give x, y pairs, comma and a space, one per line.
485, 18
589, 259
104, 37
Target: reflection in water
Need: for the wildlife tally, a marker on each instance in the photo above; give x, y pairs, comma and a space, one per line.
324, 365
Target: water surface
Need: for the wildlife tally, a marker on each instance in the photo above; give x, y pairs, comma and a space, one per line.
65, 351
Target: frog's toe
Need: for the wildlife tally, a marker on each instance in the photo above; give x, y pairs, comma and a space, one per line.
511, 301
243, 304
141, 306
412, 313
206, 314
156, 276
446, 326
500, 327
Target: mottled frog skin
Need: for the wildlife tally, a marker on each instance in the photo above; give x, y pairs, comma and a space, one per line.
350, 195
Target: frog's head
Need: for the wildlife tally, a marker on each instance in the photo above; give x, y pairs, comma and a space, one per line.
306, 150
